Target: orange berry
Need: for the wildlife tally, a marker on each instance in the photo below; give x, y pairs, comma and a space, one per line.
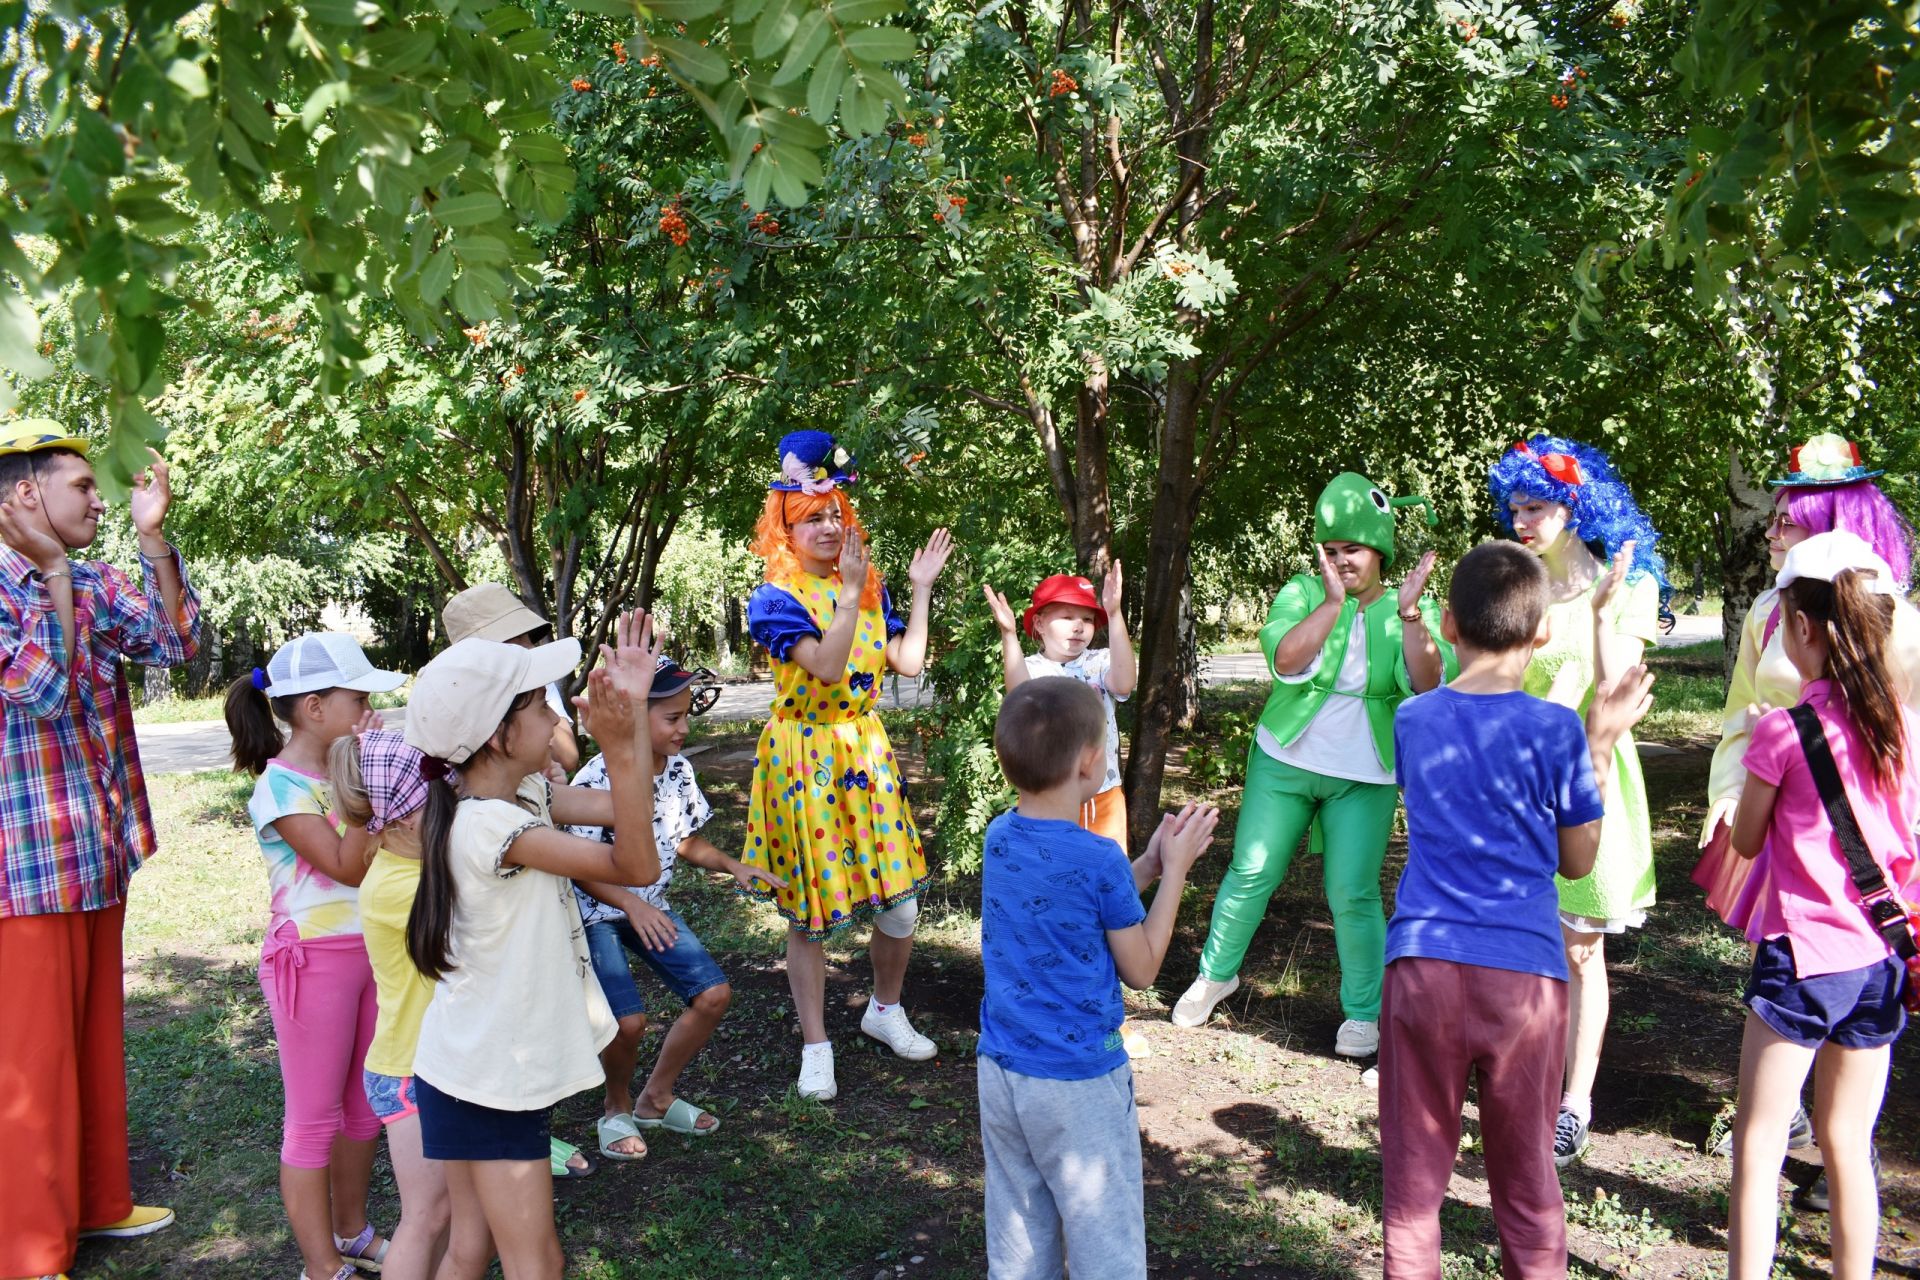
578, 396
620, 53
581, 84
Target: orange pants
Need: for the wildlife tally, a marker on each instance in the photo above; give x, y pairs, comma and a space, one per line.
63, 1086
1106, 815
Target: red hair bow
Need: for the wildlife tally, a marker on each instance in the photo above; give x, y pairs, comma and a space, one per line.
1563, 467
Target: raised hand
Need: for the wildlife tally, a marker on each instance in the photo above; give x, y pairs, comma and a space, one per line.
1188, 836
26, 534
630, 660
1110, 591
1330, 578
1616, 574
1415, 584
1003, 616
853, 564
606, 710
929, 560
369, 720
152, 495
1618, 705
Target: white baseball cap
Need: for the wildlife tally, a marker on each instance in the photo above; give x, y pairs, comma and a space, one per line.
323, 660
1824, 555
460, 698
489, 611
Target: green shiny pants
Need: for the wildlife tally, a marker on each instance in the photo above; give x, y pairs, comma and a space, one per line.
1356, 819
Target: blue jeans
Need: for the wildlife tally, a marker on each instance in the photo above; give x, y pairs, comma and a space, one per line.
685, 967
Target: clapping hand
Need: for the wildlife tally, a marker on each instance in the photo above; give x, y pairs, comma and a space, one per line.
1618, 705
152, 495
1415, 584
854, 564
1330, 578
369, 720
1184, 836
1616, 574
929, 560
1003, 616
630, 661
1110, 592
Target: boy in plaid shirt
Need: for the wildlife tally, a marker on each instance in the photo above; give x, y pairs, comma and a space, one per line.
74, 825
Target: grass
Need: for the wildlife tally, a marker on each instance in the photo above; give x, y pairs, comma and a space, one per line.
1689, 695
213, 707
1261, 1148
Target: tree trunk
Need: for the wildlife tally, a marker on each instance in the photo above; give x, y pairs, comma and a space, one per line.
1093, 504
156, 686
1744, 569
1163, 697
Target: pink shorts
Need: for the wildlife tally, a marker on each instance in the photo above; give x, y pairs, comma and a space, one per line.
391, 1097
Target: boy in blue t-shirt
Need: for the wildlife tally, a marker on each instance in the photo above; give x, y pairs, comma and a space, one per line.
1502, 790
1061, 927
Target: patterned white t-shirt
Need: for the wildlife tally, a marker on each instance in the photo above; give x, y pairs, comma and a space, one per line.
679, 810
1090, 669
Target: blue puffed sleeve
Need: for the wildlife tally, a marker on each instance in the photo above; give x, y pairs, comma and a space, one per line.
778, 621
894, 625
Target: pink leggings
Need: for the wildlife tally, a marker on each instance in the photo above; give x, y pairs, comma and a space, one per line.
321, 994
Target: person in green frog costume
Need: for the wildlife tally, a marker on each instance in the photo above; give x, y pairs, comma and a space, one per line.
1344, 652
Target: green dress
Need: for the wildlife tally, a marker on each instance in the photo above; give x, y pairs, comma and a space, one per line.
1621, 886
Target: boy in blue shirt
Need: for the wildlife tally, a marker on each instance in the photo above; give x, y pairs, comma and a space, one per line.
1502, 790
1061, 926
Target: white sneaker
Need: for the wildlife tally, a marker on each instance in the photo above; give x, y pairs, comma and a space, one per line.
816, 1072
894, 1031
1196, 1006
1357, 1039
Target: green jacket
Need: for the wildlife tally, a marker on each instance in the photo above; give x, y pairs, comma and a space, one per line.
1292, 706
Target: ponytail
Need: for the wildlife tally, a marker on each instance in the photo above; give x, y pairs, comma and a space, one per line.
253, 720
1858, 623
431, 920
349, 787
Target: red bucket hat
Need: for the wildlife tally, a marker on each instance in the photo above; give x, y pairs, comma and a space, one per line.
1064, 588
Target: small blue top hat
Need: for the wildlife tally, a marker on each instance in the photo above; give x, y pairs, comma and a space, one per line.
808, 464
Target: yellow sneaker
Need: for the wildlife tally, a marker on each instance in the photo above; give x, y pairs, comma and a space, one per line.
143, 1221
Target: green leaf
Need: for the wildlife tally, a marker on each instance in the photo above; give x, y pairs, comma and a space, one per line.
681, 10
850, 13
759, 180
190, 77
808, 40
792, 168
20, 337
436, 276
701, 64
775, 27
823, 91
146, 340
468, 210
880, 44
605, 8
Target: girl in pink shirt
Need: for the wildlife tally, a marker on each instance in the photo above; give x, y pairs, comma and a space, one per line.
1825, 993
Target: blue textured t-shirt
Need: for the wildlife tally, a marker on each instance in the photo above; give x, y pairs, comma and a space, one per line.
1489, 780
1050, 891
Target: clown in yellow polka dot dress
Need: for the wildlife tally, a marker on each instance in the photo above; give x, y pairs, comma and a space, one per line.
829, 815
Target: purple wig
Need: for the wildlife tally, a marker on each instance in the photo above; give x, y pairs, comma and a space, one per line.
1860, 509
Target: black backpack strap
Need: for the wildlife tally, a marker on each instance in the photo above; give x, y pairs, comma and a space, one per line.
1882, 907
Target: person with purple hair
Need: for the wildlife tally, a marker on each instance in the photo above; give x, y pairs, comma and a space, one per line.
1564, 501
1826, 488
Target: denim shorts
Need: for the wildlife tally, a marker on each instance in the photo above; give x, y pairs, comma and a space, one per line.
685, 967
391, 1097
1855, 1009
454, 1129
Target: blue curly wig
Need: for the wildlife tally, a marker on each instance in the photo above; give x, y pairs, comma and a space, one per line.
1604, 512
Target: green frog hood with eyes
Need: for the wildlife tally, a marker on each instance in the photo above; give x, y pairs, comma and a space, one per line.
1353, 508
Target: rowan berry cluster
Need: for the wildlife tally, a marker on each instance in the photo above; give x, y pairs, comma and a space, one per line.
764, 223
620, 52
1062, 83
673, 225
581, 84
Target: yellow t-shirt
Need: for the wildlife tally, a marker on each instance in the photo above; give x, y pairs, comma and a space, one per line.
386, 900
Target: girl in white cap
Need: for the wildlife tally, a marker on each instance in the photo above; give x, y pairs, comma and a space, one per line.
1828, 810
517, 1019
313, 963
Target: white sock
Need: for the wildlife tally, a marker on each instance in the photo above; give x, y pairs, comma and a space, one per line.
822, 1050
1581, 1107
873, 1003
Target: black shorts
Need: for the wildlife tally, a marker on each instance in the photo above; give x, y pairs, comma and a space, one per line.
451, 1129
1855, 1009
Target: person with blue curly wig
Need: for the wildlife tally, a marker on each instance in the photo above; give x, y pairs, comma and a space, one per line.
1564, 501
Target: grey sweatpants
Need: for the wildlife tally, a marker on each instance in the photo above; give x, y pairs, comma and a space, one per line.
1063, 1176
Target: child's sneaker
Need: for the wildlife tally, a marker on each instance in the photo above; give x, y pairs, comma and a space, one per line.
1569, 1138
816, 1072
1196, 1006
1817, 1197
144, 1220
894, 1031
1357, 1039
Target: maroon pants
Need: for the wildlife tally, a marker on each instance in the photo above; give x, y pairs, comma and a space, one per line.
1439, 1021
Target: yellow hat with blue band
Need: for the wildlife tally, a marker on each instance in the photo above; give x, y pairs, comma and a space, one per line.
33, 435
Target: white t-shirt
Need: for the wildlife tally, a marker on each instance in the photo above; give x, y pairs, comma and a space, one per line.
679, 810
1339, 741
1090, 669
519, 1022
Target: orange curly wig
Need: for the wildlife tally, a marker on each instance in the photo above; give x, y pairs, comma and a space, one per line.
773, 543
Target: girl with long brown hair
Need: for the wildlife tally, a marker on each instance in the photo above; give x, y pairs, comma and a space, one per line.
1825, 991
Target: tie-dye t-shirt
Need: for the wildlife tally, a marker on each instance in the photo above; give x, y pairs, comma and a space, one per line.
317, 905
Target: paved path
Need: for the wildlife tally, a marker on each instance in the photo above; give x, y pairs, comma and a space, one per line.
203, 744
